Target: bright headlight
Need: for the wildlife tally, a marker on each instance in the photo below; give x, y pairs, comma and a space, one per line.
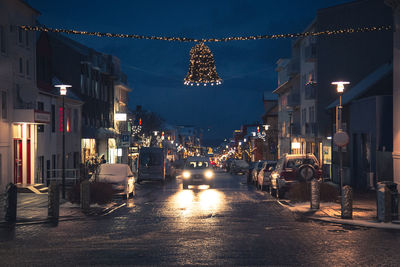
186, 174
208, 174
275, 175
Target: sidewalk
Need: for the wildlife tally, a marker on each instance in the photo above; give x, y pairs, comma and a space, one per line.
32, 208
364, 212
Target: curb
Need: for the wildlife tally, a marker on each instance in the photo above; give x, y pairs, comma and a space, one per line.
361, 223
91, 214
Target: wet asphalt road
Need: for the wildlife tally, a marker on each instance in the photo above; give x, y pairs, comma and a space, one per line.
231, 224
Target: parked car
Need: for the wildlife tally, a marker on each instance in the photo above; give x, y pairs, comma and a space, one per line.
239, 166
197, 171
292, 169
252, 165
264, 176
255, 172
151, 164
118, 175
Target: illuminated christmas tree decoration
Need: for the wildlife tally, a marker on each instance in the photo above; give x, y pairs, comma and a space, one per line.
202, 68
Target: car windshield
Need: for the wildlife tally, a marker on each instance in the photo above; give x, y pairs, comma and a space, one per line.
150, 159
197, 165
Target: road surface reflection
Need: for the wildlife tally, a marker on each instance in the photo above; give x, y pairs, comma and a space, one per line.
197, 201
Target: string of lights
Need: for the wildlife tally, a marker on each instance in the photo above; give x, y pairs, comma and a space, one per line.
225, 39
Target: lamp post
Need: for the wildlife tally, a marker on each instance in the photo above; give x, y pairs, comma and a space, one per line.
341, 139
63, 93
290, 130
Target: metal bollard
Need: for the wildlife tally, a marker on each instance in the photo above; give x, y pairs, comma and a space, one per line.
347, 202
85, 195
53, 201
315, 194
10, 204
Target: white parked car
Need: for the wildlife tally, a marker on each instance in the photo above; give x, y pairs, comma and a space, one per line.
119, 175
264, 175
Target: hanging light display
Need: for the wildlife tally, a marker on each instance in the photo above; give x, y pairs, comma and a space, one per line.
202, 70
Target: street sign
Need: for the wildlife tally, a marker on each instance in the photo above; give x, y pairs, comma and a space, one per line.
125, 140
341, 139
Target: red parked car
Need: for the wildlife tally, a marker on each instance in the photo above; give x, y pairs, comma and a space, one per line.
291, 169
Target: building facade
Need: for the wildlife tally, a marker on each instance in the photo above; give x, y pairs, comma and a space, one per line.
19, 120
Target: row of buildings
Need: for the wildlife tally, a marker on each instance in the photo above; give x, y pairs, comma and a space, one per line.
33, 114
307, 100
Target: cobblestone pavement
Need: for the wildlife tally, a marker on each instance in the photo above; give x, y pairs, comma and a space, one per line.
231, 224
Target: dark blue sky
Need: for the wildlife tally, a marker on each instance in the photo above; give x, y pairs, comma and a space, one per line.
156, 69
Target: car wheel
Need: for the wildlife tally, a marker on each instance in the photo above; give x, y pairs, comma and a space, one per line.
306, 172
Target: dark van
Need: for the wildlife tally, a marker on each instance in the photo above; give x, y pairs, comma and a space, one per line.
151, 164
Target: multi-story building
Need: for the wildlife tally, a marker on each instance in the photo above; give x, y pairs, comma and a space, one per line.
270, 121
324, 59
121, 110
18, 92
288, 105
91, 75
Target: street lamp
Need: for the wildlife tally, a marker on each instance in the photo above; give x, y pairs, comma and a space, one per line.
63, 93
341, 138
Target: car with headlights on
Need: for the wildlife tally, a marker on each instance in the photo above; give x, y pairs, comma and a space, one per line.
118, 175
197, 171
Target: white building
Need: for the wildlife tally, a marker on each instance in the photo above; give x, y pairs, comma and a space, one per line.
18, 91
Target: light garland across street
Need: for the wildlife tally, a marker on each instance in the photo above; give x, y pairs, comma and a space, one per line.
225, 39
202, 70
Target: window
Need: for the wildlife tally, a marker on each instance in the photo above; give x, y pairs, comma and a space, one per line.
40, 127
21, 67
20, 35
4, 105
2, 39
27, 38
75, 120
53, 118
303, 116
27, 68
311, 114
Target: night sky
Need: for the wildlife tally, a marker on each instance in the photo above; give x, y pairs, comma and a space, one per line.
156, 69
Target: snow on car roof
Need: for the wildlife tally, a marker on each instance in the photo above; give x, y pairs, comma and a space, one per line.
117, 169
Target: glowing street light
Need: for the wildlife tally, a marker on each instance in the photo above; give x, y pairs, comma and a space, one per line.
63, 93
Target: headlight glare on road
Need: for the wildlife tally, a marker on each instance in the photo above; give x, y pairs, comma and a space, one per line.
209, 174
186, 174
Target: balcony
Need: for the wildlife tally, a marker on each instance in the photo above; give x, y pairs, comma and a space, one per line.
310, 90
310, 53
